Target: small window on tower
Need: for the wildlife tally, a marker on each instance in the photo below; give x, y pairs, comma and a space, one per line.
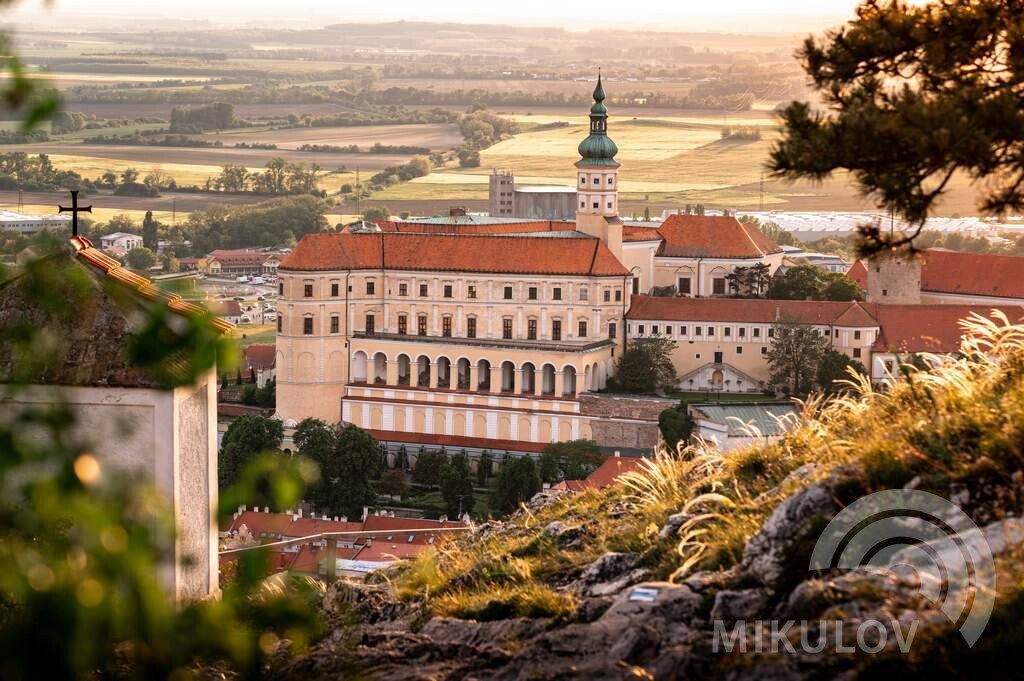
596, 204
583, 180
611, 179
597, 180
583, 204
609, 204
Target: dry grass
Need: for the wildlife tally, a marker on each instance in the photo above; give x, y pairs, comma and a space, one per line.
962, 418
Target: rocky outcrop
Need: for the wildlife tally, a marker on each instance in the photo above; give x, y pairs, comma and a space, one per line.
711, 624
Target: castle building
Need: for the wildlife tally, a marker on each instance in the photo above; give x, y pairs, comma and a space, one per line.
486, 332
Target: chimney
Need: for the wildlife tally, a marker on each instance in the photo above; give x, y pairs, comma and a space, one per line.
456, 211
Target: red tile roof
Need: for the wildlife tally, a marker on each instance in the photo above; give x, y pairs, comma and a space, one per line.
225, 308
384, 551
929, 328
973, 274
502, 227
632, 233
753, 310
606, 474
712, 236
260, 355
97, 259
454, 253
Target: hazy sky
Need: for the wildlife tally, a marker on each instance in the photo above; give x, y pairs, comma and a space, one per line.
787, 16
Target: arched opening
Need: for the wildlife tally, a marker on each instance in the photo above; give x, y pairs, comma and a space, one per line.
423, 371
569, 381
528, 378
587, 384
508, 377
463, 374
359, 367
444, 372
380, 368
547, 385
403, 369
716, 377
483, 375
598, 377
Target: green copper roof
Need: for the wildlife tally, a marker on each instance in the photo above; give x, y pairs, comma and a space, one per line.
598, 149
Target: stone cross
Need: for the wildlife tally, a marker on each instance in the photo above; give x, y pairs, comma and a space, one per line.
74, 210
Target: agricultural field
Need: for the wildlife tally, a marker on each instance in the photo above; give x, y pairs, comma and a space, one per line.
432, 136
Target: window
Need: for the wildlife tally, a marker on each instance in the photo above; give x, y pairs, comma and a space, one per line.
743, 332
423, 290
739, 349
280, 323
471, 291
307, 290
718, 357
369, 288
531, 329
531, 293
280, 288
856, 335
334, 289
583, 180
636, 286
307, 326
506, 328
556, 329
607, 295
582, 331
682, 330
764, 350
885, 291
684, 286
610, 179
640, 330
618, 295
446, 326
856, 352
611, 330
771, 333
609, 204
727, 331
711, 331
697, 331
583, 204
403, 289
334, 323
654, 329
718, 286
757, 333
556, 293
584, 293
597, 180
421, 325
447, 290
888, 366
508, 293
370, 324
403, 324
596, 204
471, 327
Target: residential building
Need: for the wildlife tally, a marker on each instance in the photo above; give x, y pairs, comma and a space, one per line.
233, 263
27, 224
120, 242
942, 277
259, 359
538, 202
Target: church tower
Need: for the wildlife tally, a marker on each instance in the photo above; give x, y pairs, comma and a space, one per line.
597, 181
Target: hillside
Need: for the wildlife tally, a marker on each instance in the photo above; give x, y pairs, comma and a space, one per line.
630, 581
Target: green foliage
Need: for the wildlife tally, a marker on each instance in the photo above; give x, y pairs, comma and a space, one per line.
646, 366
347, 473
571, 460
913, 94
483, 468
793, 357
808, 282
834, 368
518, 481
83, 544
265, 397
149, 231
262, 224
140, 258
215, 116
457, 486
427, 470
18, 170
375, 213
749, 282
676, 425
278, 177
392, 482
246, 438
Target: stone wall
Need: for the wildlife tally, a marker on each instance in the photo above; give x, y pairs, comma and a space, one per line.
624, 421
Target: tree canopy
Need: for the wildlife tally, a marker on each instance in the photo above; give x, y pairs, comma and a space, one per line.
518, 481
809, 282
645, 366
246, 437
914, 95
457, 486
570, 460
